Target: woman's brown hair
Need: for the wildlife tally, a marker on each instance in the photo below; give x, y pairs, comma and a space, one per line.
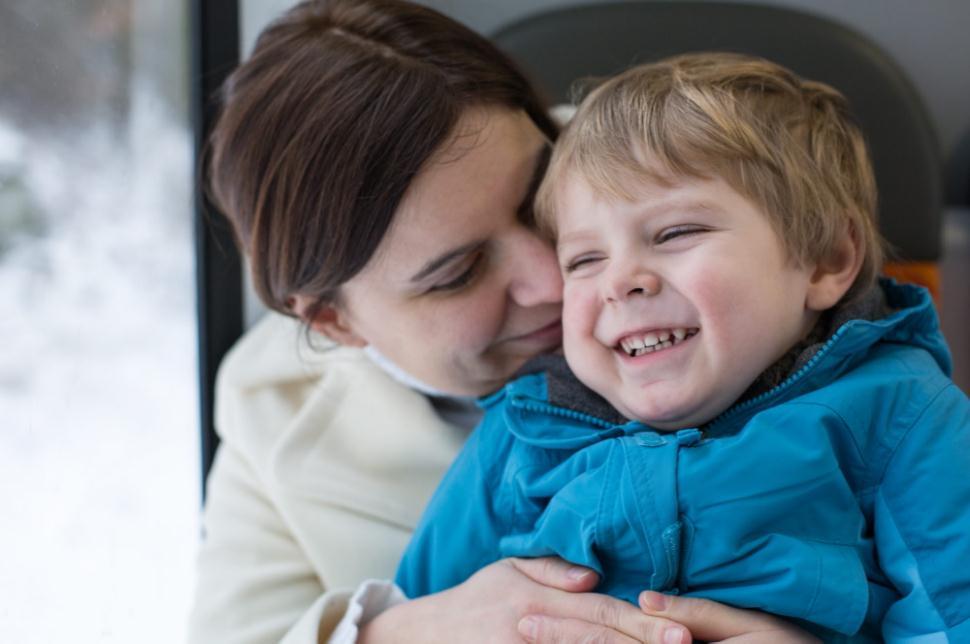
325, 126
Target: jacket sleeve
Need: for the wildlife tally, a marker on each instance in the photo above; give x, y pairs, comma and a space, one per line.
922, 524
254, 584
460, 530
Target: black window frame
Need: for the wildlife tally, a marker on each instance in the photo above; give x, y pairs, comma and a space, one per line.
215, 46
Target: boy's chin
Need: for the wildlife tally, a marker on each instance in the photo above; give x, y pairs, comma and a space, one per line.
661, 417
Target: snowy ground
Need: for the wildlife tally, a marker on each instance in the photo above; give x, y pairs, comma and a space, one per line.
98, 428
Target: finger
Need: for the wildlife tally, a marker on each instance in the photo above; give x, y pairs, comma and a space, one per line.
620, 616
551, 630
773, 637
556, 573
709, 620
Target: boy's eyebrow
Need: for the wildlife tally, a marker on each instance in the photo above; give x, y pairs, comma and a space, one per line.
687, 205
445, 258
538, 172
573, 237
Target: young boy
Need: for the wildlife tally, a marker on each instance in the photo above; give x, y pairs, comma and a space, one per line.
754, 418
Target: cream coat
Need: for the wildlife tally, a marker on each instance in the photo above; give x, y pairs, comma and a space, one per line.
325, 466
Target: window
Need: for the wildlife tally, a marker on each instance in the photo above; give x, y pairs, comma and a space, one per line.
99, 446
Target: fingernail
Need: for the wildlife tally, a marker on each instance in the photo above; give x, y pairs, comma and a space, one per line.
653, 601
529, 628
577, 573
674, 636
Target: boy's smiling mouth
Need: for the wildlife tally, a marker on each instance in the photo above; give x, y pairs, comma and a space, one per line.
640, 343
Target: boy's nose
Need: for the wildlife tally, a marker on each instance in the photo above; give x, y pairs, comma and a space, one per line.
636, 283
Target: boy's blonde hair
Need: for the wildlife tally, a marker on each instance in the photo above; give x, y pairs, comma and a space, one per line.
786, 144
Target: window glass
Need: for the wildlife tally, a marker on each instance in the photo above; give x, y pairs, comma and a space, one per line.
99, 439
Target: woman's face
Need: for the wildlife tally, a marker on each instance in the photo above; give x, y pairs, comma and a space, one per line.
461, 291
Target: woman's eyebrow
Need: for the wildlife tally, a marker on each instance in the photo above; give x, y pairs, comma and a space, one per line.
538, 172
445, 258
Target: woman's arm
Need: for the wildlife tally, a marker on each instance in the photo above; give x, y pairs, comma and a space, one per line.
253, 579
545, 601
256, 586
492, 604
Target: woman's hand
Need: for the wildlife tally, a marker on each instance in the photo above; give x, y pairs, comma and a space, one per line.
706, 620
714, 622
492, 604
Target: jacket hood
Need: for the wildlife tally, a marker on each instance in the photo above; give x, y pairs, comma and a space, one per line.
912, 321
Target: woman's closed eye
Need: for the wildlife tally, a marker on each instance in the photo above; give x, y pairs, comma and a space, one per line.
464, 278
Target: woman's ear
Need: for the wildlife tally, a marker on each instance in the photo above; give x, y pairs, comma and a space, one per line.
328, 320
834, 275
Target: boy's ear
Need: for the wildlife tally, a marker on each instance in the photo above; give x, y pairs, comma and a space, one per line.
328, 320
834, 275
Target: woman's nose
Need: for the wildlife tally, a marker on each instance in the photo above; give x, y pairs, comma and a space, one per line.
627, 282
534, 272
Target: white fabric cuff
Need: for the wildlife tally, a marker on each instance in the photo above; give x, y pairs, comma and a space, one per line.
372, 597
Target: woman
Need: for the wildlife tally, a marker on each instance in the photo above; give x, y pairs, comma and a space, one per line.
378, 162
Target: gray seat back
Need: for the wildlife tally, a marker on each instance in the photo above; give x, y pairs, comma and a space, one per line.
558, 47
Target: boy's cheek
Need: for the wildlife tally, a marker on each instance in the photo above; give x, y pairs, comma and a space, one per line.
580, 312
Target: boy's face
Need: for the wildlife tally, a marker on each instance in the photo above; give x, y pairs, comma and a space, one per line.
695, 272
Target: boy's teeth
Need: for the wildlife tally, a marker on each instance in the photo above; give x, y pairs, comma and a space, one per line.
653, 341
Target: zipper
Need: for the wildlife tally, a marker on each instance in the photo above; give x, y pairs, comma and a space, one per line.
530, 404
784, 385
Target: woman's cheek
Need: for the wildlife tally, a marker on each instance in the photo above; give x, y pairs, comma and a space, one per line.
472, 325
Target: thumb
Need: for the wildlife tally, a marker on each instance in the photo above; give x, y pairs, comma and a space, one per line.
556, 573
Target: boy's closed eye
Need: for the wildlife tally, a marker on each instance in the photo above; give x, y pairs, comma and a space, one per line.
678, 232
581, 261
665, 236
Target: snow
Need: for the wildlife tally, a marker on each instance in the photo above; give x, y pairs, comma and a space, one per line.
98, 425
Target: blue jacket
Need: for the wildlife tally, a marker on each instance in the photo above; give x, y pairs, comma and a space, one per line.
840, 497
